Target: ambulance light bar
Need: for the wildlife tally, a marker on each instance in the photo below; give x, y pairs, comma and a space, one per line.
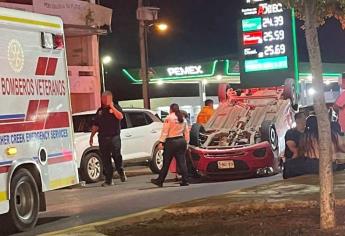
52, 41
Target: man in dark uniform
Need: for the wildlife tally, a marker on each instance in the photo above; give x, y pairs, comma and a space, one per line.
107, 123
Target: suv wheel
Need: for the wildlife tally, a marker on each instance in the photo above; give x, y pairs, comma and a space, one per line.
91, 168
156, 162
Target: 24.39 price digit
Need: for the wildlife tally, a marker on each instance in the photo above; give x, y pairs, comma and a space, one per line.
275, 21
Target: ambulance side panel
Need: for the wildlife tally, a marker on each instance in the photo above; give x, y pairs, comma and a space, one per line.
35, 114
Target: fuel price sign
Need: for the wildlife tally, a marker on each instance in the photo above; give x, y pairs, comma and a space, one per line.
268, 44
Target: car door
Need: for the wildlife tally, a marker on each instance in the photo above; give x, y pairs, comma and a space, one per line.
82, 130
137, 139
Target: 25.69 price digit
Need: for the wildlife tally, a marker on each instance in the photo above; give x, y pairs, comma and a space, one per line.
274, 50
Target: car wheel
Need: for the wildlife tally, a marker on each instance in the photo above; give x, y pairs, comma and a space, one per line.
269, 133
92, 168
156, 163
290, 93
24, 202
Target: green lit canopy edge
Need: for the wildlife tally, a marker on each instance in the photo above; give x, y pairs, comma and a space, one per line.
228, 69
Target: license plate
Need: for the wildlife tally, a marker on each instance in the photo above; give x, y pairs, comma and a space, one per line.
226, 164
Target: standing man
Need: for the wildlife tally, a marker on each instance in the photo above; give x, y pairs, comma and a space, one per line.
108, 125
293, 136
206, 112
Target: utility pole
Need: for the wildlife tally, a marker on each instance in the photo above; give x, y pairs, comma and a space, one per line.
143, 58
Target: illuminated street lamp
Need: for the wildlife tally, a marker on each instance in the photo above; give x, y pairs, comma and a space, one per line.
162, 27
105, 61
145, 15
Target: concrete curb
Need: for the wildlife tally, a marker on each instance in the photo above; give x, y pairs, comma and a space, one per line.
90, 229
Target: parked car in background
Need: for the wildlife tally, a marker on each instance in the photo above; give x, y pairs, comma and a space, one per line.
140, 131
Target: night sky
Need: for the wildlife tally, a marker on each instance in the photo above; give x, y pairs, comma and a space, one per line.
199, 30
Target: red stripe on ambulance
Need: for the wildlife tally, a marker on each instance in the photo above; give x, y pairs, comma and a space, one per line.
32, 110
51, 68
60, 159
4, 169
11, 120
57, 119
46, 66
38, 119
41, 65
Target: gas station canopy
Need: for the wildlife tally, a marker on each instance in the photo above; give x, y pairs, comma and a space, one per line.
220, 71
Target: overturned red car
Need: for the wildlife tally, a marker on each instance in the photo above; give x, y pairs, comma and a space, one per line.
245, 135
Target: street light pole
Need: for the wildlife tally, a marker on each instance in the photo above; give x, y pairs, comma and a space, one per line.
104, 61
143, 59
103, 80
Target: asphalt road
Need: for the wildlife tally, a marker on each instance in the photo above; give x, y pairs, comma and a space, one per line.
92, 203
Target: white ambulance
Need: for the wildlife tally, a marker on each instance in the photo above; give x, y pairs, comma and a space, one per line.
36, 135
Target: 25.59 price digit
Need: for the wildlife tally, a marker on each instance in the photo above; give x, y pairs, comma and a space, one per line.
276, 35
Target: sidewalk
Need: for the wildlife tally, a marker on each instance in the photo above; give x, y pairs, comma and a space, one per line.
288, 207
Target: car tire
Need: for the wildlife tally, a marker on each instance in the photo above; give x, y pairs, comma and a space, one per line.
156, 163
24, 203
195, 134
269, 133
91, 168
290, 93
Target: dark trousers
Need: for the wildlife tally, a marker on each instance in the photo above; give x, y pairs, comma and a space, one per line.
302, 166
110, 147
174, 148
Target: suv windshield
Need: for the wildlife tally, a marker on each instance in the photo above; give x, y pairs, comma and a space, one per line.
83, 123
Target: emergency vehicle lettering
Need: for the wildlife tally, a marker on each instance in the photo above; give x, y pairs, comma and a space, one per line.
34, 136
46, 66
31, 87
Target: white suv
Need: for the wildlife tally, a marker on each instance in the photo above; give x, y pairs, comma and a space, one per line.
140, 131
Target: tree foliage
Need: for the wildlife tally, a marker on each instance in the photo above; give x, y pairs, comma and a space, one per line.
315, 13
325, 9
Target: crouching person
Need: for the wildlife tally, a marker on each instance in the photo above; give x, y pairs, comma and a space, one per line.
307, 161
